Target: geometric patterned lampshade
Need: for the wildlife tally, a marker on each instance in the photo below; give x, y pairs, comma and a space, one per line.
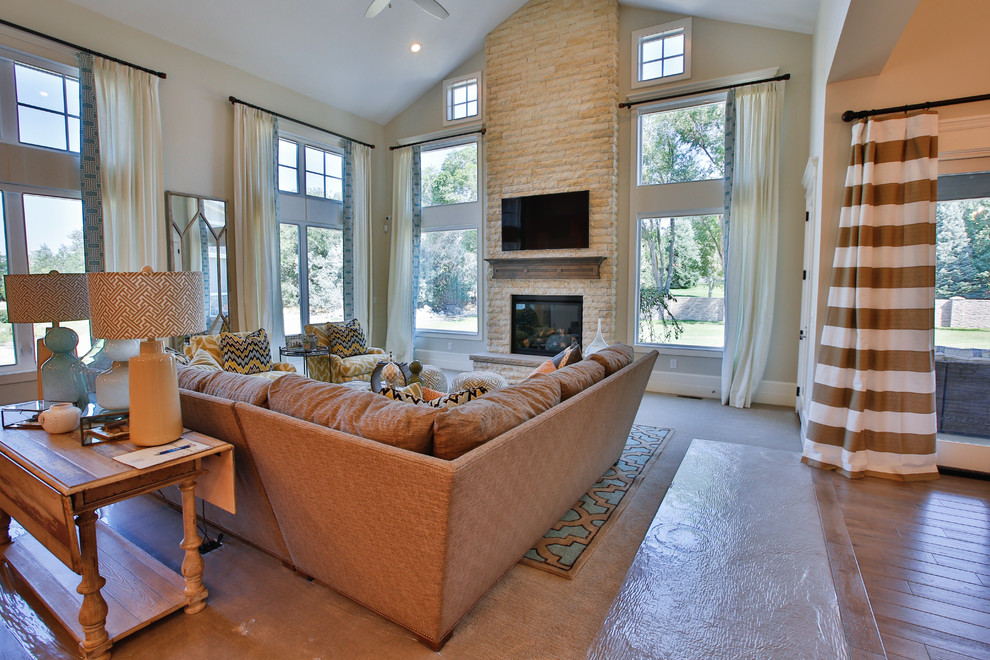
146, 304
45, 298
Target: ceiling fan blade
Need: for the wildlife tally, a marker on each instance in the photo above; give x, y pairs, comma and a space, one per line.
376, 8
433, 8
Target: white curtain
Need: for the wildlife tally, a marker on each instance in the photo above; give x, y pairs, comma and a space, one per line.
362, 228
131, 170
399, 339
752, 251
255, 223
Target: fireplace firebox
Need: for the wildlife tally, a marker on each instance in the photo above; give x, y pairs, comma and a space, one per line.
545, 325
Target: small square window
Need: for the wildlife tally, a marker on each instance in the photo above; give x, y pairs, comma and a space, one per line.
662, 53
462, 99
324, 174
47, 108
288, 166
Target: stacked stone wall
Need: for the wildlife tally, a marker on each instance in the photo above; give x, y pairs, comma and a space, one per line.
552, 126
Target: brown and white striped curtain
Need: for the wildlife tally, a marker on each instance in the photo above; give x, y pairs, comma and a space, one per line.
873, 403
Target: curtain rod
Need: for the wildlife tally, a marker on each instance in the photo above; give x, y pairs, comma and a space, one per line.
234, 99
81, 48
629, 104
850, 115
437, 139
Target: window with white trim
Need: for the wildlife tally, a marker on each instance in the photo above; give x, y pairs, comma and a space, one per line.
311, 236
41, 224
462, 99
449, 273
662, 53
677, 198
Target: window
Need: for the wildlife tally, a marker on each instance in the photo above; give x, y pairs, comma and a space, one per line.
447, 300
681, 281
43, 233
662, 53
324, 174
679, 240
962, 261
449, 175
288, 166
311, 237
462, 99
682, 144
47, 108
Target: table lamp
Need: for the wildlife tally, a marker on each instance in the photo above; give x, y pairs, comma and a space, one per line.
147, 305
51, 298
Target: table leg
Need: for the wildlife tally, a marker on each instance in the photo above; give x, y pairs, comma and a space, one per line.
93, 613
4, 528
192, 564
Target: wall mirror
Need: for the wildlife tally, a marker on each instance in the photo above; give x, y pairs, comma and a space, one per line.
197, 240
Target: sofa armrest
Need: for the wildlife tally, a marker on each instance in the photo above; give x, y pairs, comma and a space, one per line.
374, 350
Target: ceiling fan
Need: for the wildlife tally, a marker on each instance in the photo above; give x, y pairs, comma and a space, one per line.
431, 7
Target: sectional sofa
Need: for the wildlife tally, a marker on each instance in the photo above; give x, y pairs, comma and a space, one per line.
413, 512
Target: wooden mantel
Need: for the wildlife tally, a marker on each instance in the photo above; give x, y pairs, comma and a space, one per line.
547, 268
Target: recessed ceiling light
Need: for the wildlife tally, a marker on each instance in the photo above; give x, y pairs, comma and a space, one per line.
416, 47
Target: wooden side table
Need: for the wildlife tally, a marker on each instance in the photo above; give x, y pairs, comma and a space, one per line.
52, 486
304, 353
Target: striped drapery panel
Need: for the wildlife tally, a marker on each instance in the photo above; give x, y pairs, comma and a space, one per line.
873, 404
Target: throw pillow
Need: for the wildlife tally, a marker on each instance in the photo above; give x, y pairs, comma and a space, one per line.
569, 355
429, 394
400, 394
204, 361
457, 398
544, 368
249, 354
346, 339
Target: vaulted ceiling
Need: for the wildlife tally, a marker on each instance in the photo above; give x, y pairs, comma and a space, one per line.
328, 50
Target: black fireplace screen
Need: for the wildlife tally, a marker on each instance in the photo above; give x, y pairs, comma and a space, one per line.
545, 325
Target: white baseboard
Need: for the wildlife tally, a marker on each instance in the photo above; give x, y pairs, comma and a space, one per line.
445, 360
710, 387
962, 453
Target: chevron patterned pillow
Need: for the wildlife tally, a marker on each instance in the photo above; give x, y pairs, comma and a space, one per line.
346, 339
248, 354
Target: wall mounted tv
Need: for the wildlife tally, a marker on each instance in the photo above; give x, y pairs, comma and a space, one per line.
557, 221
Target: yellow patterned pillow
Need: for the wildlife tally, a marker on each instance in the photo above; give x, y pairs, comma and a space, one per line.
346, 339
250, 354
204, 361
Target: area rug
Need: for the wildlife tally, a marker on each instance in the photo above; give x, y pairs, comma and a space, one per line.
566, 546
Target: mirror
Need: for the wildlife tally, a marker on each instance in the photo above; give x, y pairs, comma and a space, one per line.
197, 240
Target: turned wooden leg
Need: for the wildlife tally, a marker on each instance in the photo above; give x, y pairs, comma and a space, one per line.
192, 564
4, 528
93, 613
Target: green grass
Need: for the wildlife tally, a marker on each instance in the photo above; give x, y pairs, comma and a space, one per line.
427, 321
962, 337
694, 333
697, 291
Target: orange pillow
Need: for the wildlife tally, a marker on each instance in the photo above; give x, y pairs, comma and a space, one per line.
545, 368
430, 395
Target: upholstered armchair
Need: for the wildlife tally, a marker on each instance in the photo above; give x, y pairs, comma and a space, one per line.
336, 369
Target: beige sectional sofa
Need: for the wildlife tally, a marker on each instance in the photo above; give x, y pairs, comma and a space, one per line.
413, 536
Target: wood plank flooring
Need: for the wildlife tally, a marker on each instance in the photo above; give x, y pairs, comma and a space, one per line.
924, 552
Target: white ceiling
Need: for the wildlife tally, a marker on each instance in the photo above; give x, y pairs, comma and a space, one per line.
327, 50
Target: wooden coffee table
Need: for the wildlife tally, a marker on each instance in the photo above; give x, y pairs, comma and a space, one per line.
52, 486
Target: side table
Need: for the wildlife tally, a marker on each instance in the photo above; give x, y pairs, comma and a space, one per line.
304, 353
52, 486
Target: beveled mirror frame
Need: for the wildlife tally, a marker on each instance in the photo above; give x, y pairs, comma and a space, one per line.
216, 278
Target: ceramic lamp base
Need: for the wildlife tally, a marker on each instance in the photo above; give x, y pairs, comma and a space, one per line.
155, 413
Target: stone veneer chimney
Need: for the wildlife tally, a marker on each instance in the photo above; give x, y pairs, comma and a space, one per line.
552, 118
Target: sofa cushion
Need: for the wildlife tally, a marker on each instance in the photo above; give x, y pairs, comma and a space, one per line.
192, 378
457, 431
247, 354
345, 339
613, 358
578, 377
358, 412
236, 387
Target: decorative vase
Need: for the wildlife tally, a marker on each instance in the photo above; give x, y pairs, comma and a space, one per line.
62, 377
598, 343
112, 386
60, 418
391, 372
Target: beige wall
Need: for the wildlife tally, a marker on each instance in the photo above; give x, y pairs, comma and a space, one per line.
197, 119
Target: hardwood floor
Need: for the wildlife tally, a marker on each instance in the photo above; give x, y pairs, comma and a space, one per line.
924, 552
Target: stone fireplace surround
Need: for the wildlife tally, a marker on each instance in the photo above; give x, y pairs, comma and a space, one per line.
552, 126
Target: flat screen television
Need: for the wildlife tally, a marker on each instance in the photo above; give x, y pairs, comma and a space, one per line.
556, 221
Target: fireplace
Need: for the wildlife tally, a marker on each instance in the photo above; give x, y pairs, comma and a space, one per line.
545, 325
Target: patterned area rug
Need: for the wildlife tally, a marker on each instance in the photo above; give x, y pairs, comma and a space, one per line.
567, 545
